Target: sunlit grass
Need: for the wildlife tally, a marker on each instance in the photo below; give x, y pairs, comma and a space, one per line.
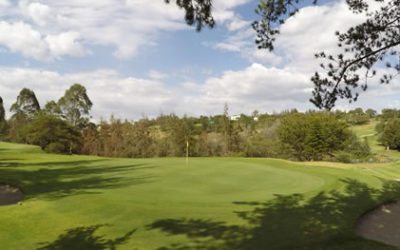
211, 203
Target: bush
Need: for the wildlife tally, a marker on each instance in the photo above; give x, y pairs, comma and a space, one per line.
343, 157
52, 134
55, 147
312, 136
390, 133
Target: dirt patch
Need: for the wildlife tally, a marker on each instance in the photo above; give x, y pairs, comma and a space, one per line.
381, 224
10, 195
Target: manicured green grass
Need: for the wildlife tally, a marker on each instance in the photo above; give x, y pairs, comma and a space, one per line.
79, 202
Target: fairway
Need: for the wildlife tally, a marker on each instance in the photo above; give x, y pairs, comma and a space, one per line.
79, 202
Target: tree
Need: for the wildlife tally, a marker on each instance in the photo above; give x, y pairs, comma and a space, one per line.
364, 47
52, 108
3, 122
371, 113
2, 111
390, 133
197, 12
226, 127
26, 105
24, 110
312, 136
357, 117
52, 134
75, 105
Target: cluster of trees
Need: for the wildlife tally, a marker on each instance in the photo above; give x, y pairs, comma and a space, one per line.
288, 135
55, 128
319, 136
168, 135
389, 128
63, 126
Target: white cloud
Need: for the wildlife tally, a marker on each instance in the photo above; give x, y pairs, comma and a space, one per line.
224, 9
300, 38
255, 87
65, 44
21, 37
5, 3
157, 75
111, 93
238, 23
52, 30
125, 25
40, 13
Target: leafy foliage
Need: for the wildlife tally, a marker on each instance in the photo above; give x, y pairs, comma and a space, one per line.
52, 134
390, 133
197, 12
56, 128
2, 111
64, 127
312, 136
52, 108
75, 105
26, 105
365, 47
3, 122
24, 110
359, 117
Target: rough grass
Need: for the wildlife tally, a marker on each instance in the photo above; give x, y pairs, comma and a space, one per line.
78, 202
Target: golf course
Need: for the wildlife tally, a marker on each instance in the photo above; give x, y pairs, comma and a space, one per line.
82, 202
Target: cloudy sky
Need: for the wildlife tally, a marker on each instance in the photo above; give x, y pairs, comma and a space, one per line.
137, 57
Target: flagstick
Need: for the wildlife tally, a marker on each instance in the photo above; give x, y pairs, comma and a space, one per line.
187, 152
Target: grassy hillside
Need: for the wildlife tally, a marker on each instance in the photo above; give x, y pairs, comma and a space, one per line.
368, 131
79, 202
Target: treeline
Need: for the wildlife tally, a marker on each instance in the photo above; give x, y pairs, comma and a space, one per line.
64, 126
57, 127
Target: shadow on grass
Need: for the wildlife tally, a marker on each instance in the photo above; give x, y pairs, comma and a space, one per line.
51, 180
85, 238
325, 221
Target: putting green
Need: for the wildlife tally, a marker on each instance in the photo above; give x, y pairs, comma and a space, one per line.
79, 202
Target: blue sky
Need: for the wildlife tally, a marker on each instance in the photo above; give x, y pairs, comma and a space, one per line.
139, 58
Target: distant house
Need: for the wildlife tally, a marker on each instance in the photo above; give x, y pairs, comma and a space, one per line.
234, 117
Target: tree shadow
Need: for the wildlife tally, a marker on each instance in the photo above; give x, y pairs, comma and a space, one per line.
325, 221
52, 180
85, 238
